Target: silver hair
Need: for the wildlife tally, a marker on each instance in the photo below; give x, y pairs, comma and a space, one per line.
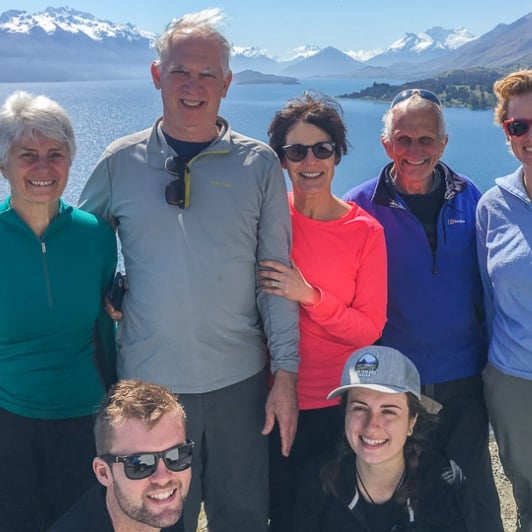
200, 24
24, 115
414, 102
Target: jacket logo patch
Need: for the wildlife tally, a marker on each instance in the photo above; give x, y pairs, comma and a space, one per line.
220, 183
452, 221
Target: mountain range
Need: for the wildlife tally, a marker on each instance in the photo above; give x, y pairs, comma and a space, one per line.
62, 44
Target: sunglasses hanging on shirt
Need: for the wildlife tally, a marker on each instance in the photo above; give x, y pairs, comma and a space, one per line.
177, 192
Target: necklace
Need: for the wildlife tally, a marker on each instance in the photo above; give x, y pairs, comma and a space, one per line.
368, 496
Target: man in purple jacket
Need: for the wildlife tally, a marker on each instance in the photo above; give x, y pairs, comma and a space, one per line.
434, 290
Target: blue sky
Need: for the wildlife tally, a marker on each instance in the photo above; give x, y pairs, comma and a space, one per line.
281, 25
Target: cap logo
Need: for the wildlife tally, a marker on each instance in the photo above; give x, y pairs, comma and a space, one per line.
367, 365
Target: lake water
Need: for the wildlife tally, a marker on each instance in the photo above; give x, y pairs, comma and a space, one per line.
102, 111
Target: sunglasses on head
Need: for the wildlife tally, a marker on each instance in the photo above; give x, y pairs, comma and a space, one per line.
297, 152
517, 127
177, 192
142, 465
408, 93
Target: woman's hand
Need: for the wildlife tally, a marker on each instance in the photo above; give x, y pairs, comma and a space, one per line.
277, 279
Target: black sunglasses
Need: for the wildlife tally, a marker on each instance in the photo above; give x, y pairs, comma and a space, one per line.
177, 192
423, 93
517, 127
142, 465
297, 152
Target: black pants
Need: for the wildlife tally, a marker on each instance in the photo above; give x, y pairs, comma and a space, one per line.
318, 431
463, 432
46, 467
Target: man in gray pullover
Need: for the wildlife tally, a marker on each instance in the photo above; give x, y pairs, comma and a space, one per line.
196, 206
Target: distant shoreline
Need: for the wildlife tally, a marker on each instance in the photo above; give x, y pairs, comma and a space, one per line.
472, 89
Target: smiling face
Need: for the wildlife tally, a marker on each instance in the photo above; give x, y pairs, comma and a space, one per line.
377, 425
310, 176
192, 83
415, 145
156, 501
520, 106
37, 170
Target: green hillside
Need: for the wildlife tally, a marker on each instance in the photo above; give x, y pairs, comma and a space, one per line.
458, 88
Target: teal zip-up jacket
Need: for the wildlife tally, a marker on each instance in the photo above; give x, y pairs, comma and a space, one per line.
51, 314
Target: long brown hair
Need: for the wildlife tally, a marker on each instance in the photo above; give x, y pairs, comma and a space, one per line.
415, 444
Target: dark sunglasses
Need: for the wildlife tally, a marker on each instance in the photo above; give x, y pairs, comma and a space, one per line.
297, 152
408, 93
517, 127
142, 465
177, 192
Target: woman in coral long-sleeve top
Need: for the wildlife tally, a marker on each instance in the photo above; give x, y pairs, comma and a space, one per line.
338, 276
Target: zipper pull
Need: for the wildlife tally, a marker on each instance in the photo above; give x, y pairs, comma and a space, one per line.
43, 247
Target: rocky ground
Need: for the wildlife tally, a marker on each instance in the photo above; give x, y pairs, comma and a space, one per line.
505, 491
503, 486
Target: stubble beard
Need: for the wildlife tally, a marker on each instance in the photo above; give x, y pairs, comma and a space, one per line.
141, 514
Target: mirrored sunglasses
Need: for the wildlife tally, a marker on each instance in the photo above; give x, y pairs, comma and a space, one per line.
517, 127
142, 465
408, 93
177, 192
297, 152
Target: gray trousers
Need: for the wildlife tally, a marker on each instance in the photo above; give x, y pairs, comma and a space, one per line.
230, 468
508, 400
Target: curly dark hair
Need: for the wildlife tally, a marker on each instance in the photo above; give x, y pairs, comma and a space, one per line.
415, 444
314, 108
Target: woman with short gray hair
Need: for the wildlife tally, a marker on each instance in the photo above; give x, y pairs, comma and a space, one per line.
56, 264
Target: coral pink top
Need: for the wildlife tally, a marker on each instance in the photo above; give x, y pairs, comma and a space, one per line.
345, 259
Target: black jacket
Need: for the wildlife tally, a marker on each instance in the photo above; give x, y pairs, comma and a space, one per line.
442, 502
89, 514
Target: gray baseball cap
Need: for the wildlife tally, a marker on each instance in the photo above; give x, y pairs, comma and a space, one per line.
379, 368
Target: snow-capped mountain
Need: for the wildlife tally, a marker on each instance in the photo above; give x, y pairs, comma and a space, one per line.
411, 48
302, 52
64, 44
364, 55
70, 21
425, 46
254, 58
250, 51
506, 45
327, 62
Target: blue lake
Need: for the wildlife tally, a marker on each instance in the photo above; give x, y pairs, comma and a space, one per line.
102, 111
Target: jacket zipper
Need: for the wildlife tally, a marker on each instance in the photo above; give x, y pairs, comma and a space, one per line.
443, 238
432, 251
46, 275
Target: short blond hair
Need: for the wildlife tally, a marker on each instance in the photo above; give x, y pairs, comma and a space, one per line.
133, 399
519, 82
